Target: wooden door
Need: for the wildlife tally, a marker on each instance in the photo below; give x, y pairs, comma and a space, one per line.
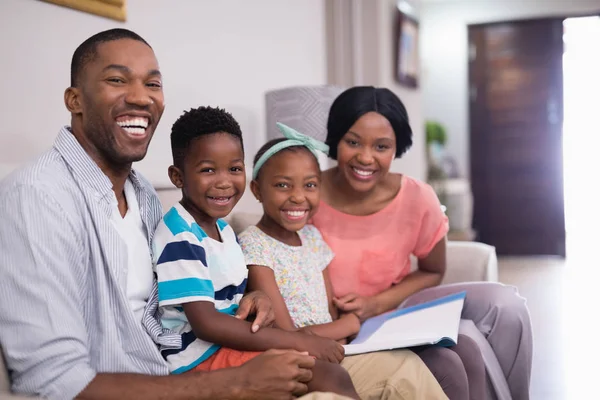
516, 114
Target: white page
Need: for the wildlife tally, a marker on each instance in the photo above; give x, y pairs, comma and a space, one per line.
424, 326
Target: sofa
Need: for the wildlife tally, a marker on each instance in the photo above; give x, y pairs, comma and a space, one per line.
466, 262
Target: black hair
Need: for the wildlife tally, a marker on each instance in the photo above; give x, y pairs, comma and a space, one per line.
353, 103
88, 49
198, 122
265, 147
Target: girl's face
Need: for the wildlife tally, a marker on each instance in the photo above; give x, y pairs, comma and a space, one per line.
288, 187
366, 152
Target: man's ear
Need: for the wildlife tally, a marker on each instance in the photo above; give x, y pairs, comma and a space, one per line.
176, 176
73, 100
255, 190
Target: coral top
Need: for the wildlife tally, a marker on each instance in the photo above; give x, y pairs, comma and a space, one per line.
372, 252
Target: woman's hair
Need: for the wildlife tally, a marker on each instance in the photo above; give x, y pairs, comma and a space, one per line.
353, 103
265, 147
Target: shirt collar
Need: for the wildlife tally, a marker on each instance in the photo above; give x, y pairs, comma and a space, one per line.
84, 168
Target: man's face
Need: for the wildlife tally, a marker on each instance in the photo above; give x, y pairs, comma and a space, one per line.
120, 102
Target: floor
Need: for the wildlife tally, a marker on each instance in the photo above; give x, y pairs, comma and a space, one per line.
557, 292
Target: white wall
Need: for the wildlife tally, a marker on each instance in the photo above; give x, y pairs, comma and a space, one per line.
226, 53
444, 55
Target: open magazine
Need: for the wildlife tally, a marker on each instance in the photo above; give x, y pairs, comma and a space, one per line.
434, 322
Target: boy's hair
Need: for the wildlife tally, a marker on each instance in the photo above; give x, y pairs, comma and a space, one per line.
89, 48
355, 102
198, 122
265, 147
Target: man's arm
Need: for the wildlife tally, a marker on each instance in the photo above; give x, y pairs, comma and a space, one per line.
276, 374
42, 329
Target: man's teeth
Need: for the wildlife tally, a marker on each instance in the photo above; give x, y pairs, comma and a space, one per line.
362, 172
295, 213
134, 123
134, 131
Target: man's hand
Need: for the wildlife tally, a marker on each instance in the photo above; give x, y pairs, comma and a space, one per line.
275, 375
363, 307
256, 303
322, 348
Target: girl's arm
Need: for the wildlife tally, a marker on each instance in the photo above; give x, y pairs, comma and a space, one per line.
262, 278
430, 273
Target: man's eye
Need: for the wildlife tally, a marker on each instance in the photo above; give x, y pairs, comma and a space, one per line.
281, 185
154, 85
311, 185
116, 80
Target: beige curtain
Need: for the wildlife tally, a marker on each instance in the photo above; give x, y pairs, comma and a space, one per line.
114, 9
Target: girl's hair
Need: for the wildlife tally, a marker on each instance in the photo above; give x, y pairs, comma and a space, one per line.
265, 147
353, 103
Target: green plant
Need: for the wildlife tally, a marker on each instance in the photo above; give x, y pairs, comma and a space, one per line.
435, 132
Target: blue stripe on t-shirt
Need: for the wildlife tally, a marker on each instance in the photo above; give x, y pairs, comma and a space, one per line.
186, 287
228, 292
183, 250
221, 224
177, 224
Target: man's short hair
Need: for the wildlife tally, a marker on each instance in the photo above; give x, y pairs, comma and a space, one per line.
198, 122
88, 49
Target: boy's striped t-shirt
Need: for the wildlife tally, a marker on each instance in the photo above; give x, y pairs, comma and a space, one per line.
190, 266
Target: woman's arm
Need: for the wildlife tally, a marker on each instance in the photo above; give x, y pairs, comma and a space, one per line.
430, 273
262, 278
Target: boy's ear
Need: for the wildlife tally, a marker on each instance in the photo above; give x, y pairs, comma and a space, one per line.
176, 176
255, 190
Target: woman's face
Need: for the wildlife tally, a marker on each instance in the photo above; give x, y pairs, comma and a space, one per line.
366, 152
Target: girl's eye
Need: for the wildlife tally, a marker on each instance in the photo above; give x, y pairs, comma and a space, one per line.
207, 170
352, 143
311, 185
236, 169
382, 147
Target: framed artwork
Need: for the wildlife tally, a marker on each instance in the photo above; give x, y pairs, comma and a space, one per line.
114, 9
407, 50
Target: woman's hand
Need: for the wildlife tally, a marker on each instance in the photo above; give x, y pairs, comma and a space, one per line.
259, 304
363, 307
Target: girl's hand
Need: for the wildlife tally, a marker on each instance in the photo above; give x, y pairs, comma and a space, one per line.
363, 307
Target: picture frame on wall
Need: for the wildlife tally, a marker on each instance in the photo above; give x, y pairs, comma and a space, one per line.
113, 9
407, 50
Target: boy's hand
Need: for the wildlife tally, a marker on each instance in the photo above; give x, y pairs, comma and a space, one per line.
322, 348
259, 304
275, 374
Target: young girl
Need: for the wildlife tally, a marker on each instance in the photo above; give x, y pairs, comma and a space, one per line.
288, 259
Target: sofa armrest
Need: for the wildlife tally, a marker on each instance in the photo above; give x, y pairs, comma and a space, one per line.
468, 262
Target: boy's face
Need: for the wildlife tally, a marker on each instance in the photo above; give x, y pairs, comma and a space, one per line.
213, 178
288, 186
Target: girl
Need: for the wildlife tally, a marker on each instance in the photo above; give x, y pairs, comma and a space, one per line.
288, 260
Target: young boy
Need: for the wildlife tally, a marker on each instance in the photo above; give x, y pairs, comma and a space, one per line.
200, 266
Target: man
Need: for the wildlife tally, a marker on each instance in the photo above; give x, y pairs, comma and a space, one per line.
75, 255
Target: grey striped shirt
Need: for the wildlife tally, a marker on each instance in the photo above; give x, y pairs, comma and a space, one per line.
64, 312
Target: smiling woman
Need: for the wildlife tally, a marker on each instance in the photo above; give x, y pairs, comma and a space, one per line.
114, 9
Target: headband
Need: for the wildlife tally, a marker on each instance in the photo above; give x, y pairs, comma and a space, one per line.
294, 138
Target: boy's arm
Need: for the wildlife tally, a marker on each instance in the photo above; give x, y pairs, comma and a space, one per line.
212, 326
262, 278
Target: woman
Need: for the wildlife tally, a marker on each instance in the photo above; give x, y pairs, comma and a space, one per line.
374, 220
